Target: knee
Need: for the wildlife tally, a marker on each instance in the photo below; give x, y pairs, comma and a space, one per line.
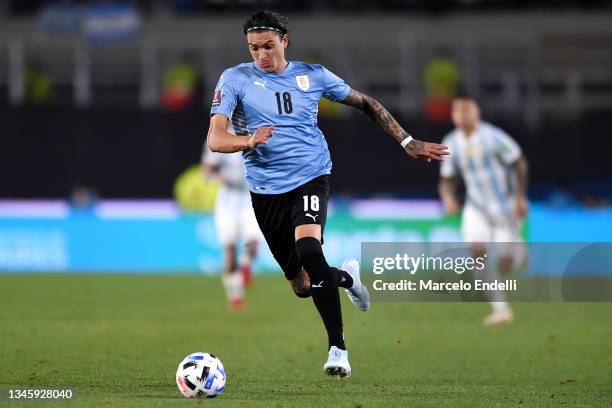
310, 254
308, 250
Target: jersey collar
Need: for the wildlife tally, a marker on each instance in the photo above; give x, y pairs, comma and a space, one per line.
473, 135
284, 71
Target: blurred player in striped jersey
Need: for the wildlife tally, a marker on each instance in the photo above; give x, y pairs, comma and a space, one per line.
495, 174
234, 220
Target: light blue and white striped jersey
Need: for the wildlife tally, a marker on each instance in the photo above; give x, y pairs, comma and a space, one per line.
485, 161
297, 151
230, 165
233, 196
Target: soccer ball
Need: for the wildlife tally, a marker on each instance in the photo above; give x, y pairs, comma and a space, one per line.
200, 375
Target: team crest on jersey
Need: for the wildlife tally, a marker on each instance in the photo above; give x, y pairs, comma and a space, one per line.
302, 82
473, 151
217, 98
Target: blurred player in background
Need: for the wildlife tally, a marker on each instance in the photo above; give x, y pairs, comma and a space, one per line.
234, 220
273, 105
495, 174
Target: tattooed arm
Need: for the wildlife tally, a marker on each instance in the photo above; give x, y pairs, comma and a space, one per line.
379, 115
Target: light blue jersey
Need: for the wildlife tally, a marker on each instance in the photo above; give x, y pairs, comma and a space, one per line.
297, 151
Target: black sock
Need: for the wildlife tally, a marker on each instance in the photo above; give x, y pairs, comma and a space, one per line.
344, 279
324, 284
327, 301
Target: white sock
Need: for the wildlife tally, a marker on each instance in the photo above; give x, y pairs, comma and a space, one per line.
234, 285
245, 259
500, 307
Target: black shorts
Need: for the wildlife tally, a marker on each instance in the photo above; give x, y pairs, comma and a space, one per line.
279, 214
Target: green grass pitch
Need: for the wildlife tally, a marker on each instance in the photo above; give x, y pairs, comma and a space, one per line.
117, 340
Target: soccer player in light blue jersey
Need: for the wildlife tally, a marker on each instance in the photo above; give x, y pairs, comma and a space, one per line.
272, 104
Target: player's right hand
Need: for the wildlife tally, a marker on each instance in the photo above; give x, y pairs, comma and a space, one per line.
261, 136
424, 150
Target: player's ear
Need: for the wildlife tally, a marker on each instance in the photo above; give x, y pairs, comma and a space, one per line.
285, 40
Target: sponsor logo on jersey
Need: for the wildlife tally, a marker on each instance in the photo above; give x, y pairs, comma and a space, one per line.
302, 82
217, 98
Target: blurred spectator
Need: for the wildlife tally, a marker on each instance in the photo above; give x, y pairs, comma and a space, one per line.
38, 86
442, 77
195, 193
332, 110
566, 195
563, 196
83, 198
180, 82
589, 201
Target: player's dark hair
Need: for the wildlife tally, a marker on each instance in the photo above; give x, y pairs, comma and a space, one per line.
464, 96
267, 20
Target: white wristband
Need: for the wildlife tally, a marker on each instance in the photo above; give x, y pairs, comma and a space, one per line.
406, 141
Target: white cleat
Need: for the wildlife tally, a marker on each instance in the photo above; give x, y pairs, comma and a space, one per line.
358, 293
499, 318
337, 364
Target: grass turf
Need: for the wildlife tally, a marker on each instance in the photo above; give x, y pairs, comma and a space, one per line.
116, 341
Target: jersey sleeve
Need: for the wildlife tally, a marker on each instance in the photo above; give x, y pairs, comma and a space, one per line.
226, 95
506, 147
448, 167
334, 87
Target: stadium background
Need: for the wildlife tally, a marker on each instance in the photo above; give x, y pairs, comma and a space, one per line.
103, 114
103, 106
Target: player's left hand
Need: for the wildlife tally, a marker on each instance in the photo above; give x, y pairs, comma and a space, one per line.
521, 207
425, 150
